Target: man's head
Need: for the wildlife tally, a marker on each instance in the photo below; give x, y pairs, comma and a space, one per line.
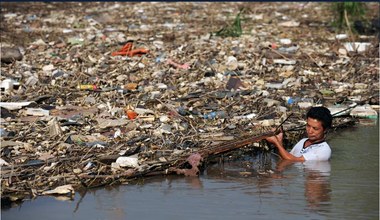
318, 121
322, 114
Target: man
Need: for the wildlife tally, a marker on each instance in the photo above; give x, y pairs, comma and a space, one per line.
314, 147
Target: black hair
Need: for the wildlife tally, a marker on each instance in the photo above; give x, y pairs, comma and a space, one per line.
321, 114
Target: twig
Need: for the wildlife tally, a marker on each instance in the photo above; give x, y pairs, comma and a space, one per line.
314, 62
276, 52
80, 201
349, 27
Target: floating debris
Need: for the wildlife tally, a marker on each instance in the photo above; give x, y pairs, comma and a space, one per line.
94, 98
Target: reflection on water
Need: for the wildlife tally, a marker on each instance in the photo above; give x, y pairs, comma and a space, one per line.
249, 188
316, 174
317, 184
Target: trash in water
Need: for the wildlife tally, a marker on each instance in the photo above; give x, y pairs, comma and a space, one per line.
98, 101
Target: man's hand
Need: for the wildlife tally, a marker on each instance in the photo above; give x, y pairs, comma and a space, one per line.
276, 139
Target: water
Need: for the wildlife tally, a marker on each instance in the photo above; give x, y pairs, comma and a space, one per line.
347, 187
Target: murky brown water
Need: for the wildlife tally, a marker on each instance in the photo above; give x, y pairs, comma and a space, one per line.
347, 187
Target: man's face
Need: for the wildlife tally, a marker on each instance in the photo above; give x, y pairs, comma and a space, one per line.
314, 129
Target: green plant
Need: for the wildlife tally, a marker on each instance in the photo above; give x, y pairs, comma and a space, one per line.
233, 30
348, 11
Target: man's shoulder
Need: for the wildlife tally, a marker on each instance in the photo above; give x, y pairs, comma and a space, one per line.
302, 141
322, 144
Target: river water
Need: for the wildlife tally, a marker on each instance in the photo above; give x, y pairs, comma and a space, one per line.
346, 187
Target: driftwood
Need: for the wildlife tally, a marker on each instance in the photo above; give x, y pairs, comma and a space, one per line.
196, 158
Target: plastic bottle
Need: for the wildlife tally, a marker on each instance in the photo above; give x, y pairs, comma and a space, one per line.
213, 115
291, 49
87, 87
3, 132
293, 100
249, 116
160, 58
300, 102
37, 112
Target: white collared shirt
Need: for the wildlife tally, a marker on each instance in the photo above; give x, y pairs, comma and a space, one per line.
316, 151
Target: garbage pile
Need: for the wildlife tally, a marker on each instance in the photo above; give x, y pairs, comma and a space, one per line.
94, 94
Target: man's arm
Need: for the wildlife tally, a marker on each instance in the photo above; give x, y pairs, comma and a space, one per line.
277, 141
